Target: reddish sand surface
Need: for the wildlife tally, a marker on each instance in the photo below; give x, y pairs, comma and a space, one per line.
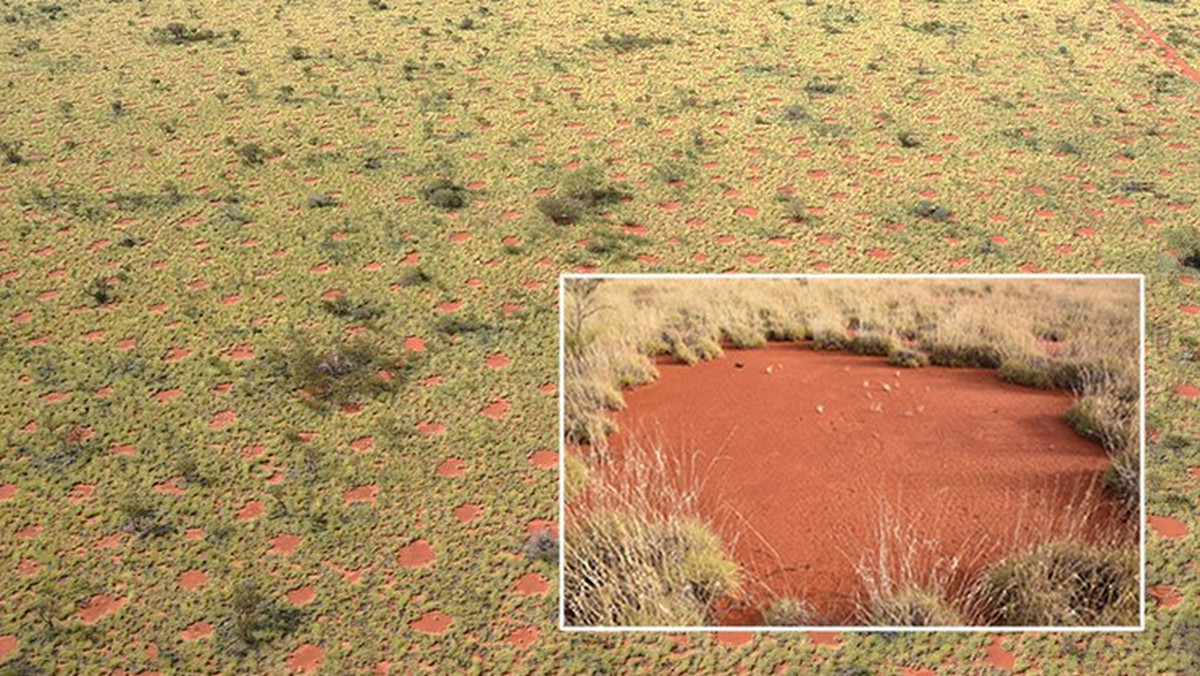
806, 446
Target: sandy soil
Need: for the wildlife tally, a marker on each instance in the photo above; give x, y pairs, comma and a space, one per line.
805, 445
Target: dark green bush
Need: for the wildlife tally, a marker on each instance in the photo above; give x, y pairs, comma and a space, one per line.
446, 195
875, 344
965, 356
829, 340
908, 358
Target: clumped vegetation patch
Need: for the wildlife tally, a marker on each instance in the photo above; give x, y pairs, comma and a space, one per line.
256, 618
446, 195
907, 358
914, 606
828, 339
875, 344
341, 373
1064, 584
582, 194
623, 43
965, 356
177, 33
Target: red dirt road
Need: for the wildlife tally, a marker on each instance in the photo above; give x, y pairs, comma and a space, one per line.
805, 445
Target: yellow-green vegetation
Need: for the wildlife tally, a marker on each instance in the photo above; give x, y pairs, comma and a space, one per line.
914, 607
173, 150
638, 550
1064, 583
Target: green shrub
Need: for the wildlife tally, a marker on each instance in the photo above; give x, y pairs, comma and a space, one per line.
1186, 242
582, 194
446, 195
342, 373
1064, 584
907, 358
257, 618
914, 607
1037, 372
829, 340
965, 356
176, 33
780, 327
876, 344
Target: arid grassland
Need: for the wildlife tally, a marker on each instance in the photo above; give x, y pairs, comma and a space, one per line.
649, 544
278, 282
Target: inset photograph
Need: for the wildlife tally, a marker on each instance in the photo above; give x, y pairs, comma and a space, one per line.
951, 452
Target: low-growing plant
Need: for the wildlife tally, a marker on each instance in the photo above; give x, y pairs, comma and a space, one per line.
907, 358
541, 546
342, 373
345, 308
321, 201
870, 343
1122, 479
446, 195
826, 339
575, 477
177, 33
1106, 419
914, 606
965, 356
788, 612
581, 195
256, 618
1063, 584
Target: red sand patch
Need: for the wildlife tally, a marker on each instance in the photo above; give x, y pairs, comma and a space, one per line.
8, 645
998, 657
434, 622
307, 659
1165, 595
284, 544
532, 584
523, 638
100, 607
497, 410
468, 513
450, 468
192, 579
940, 439
361, 494
7, 492
251, 510
544, 459
497, 361
416, 555
1187, 391
197, 631
1168, 528
302, 596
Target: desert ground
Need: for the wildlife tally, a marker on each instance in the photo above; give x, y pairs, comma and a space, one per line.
278, 283
882, 475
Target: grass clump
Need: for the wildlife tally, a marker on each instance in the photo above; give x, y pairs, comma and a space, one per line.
446, 195
1064, 583
829, 340
256, 618
1122, 479
788, 612
624, 43
1186, 243
340, 374
1036, 372
575, 475
632, 569
582, 194
1104, 418
876, 344
914, 607
907, 358
965, 356
177, 33
743, 336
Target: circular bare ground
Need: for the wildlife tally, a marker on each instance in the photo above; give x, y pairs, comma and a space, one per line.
805, 451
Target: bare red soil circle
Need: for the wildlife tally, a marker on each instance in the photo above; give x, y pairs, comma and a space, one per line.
805, 447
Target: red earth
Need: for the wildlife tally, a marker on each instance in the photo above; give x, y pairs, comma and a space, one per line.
806, 447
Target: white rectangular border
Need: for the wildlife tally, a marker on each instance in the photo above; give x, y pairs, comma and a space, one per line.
563, 626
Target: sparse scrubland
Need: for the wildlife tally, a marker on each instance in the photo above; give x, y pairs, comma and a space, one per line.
1076, 335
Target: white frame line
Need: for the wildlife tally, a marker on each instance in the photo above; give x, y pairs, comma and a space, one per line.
564, 627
